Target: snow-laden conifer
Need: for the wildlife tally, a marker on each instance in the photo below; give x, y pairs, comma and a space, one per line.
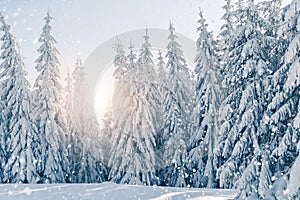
177, 105
241, 112
280, 121
208, 98
20, 136
132, 158
49, 112
87, 129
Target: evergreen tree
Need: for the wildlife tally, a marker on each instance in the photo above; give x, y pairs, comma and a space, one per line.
146, 69
281, 132
177, 102
146, 59
248, 182
20, 133
48, 112
242, 110
132, 160
207, 104
86, 128
121, 89
120, 60
73, 147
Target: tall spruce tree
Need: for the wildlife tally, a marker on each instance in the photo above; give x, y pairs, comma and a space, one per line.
48, 111
73, 143
281, 119
146, 69
20, 136
208, 98
177, 105
242, 110
132, 160
146, 59
87, 130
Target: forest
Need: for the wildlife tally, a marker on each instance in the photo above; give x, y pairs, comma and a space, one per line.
232, 121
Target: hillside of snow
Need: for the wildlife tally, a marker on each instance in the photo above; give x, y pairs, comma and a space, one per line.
107, 190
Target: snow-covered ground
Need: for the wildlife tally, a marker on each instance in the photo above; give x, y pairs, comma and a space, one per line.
107, 190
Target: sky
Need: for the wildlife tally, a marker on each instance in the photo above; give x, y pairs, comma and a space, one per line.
80, 26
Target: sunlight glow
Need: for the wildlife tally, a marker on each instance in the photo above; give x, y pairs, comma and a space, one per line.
104, 92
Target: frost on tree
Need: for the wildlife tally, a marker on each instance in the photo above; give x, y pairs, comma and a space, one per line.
49, 113
246, 67
177, 105
265, 177
162, 78
227, 28
293, 187
20, 136
121, 87
146, 69
146, 58
132, 158
72, 140
86, 131
281, 121
207, 94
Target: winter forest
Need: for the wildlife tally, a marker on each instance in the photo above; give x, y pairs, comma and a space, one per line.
233, 121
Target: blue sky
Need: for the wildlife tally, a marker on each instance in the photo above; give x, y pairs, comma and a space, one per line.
81, 25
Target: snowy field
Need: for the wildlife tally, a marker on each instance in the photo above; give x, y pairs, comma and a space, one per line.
108, 190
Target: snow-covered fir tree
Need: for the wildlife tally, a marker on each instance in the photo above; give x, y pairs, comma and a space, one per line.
176, 125
146, 59
132, 158
73, 147
246, 68
49, 112
120, 60
282, 134
121, 89
20, 136
151, 82
87, 129
208, 98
